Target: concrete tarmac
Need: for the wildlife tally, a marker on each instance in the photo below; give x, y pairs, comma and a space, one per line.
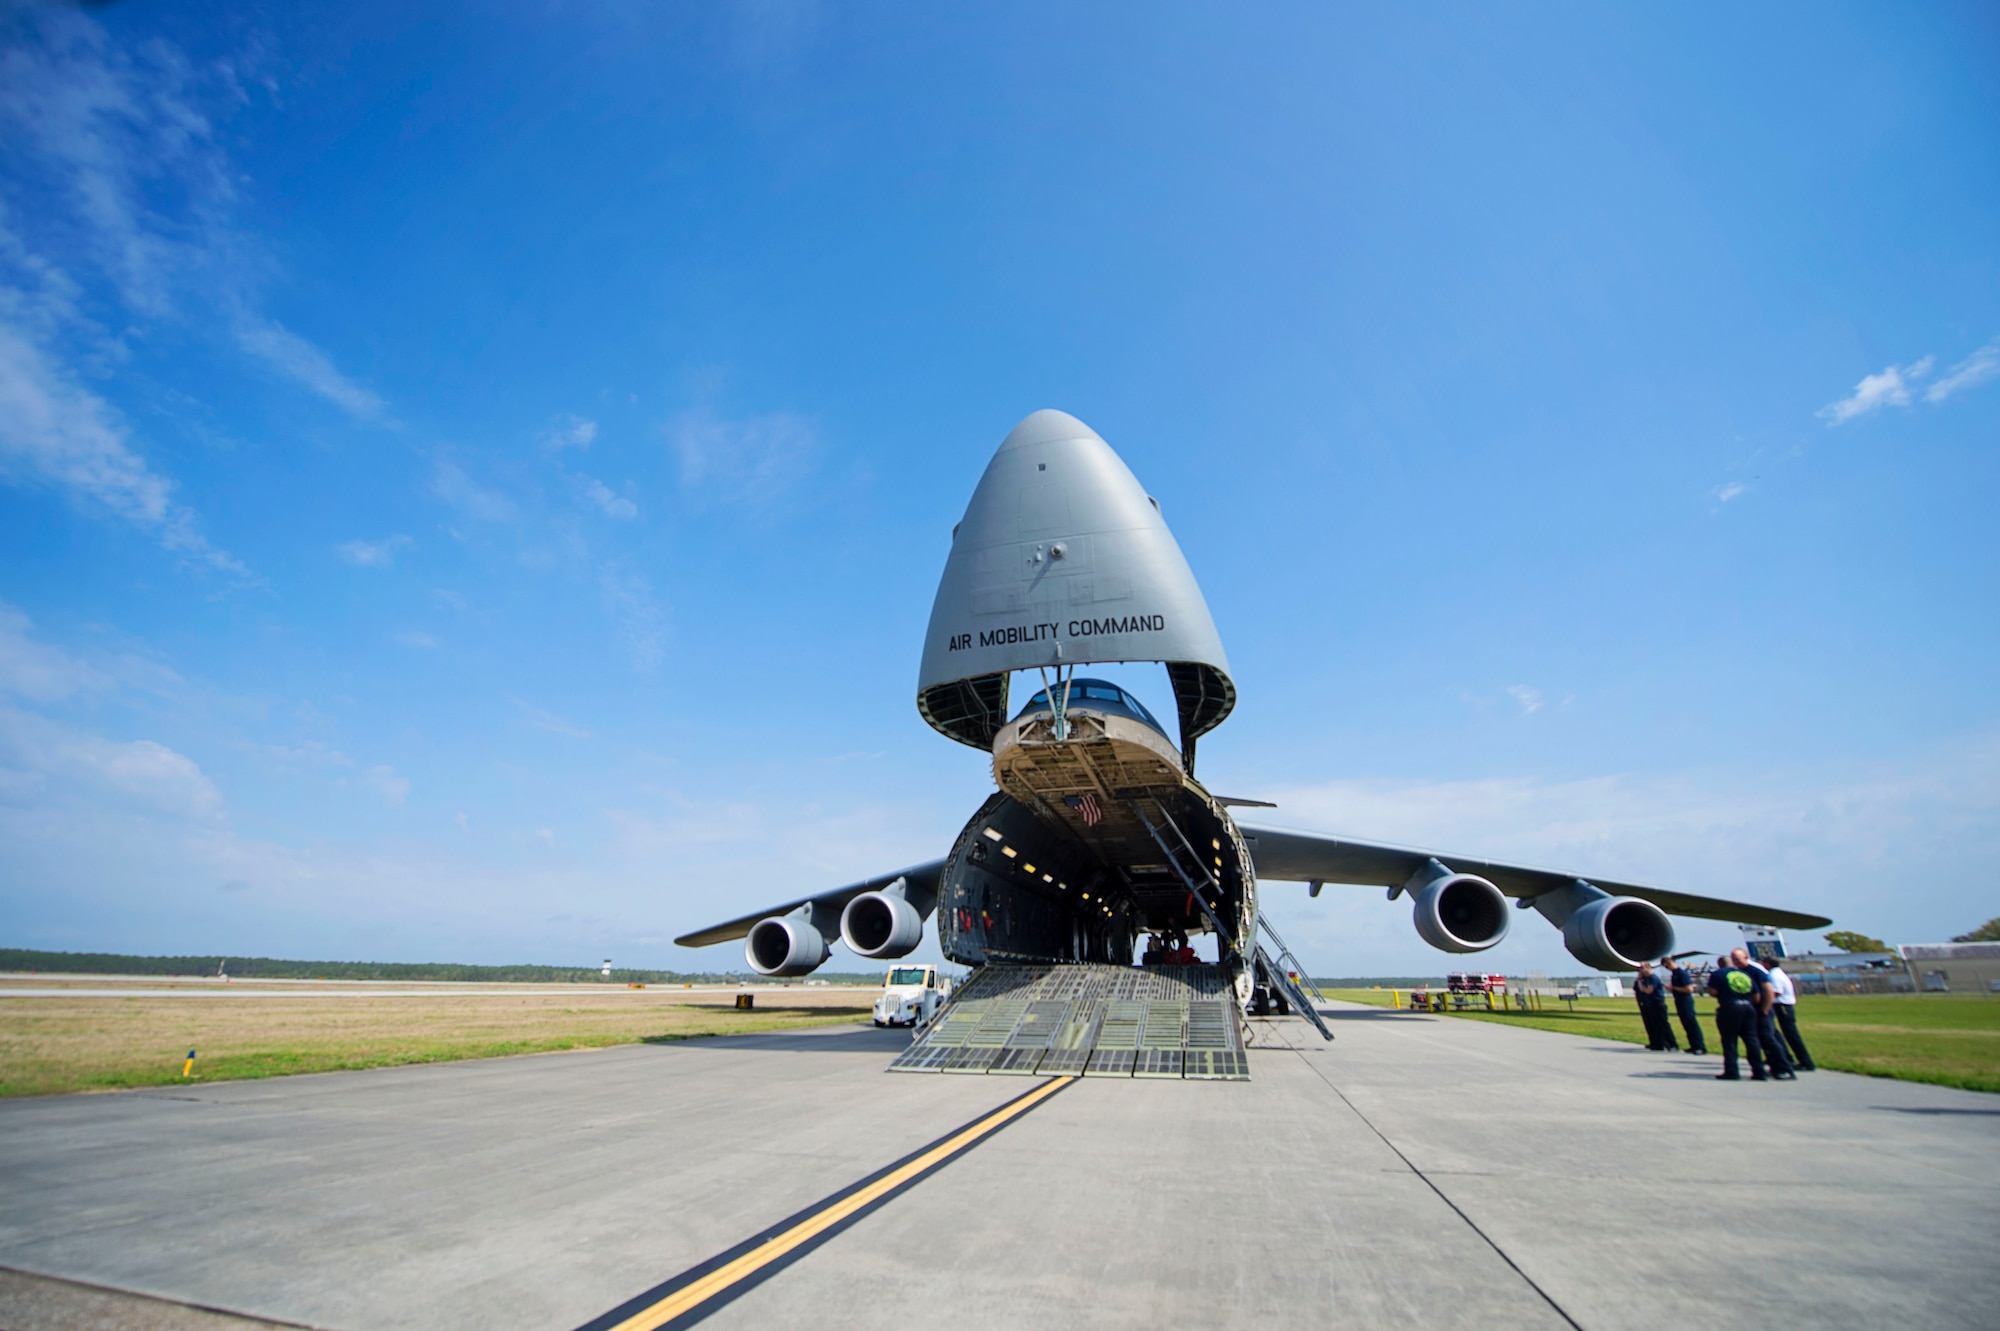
1421, 1171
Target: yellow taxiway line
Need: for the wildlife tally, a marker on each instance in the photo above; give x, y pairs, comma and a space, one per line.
817, 1221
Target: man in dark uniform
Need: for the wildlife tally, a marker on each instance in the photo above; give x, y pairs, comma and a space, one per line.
1735, 1018
1680, 983
1652, 996
1767, 1024
1786, 1012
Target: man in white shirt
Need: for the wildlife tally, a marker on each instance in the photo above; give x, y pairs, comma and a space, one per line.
1766, 1003
1786, 1011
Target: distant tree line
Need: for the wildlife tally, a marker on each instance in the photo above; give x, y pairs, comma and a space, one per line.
274, 968
1848, 941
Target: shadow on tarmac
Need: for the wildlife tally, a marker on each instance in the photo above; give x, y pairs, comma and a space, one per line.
1908, 1109
821, 1040
1373, 1014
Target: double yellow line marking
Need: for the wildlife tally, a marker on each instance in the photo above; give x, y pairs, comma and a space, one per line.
677, 1299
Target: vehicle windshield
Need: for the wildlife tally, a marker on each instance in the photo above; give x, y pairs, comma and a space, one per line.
1098, 695
907, 975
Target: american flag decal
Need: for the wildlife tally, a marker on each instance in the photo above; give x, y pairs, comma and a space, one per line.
1087, 806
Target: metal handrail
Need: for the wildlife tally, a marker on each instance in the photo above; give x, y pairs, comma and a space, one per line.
1285, 953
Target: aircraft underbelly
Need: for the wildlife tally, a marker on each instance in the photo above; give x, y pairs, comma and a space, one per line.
1105, 766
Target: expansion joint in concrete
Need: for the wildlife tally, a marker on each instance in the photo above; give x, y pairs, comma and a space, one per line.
1443, 1196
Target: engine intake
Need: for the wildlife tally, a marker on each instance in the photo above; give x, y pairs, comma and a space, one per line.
784, 945
1617, 933
1461, 913
881, 925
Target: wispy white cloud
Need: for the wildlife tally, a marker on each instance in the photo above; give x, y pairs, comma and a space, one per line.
393, 787
299, 360
542, 719
128, 137
422, 641
309, 755
56, 433
100, 126
373, 554
1530, 699
37, 672
641, 621
756, 459
1894, 386
144, 775
1890, 388
1722, 494
1981, 366
1884, 847
608, 501
450, 483
132, 224
569, 432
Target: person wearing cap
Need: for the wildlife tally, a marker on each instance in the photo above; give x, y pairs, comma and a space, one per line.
1652, 996
1736, 1018
1785, 1009
1767, 1025
1680, 983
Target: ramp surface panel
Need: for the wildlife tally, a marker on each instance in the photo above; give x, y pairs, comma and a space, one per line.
1100, 1021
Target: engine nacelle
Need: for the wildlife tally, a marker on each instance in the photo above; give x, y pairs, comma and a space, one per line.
1617, 933
784, 945
881, 925
1461, 913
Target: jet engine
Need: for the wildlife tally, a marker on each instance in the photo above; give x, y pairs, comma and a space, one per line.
784, 945
1461, 913
881, 925
1617, 933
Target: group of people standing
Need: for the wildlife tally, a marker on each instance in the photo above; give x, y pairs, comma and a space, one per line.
1755, 1004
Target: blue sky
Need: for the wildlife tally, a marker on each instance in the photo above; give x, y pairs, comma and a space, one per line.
472, 479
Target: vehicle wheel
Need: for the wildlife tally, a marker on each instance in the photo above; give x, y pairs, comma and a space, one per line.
880, 1023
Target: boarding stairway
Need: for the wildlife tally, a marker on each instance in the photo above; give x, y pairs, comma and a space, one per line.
1194, 874
1087, 1020
1187, 865
1283, 969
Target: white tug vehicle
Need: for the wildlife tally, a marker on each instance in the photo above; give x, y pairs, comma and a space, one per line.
910, 996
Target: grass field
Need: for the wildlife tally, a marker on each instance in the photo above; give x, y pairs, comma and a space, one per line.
1949, 1039
51, 1045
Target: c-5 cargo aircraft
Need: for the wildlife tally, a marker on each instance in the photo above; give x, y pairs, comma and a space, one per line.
1099, 832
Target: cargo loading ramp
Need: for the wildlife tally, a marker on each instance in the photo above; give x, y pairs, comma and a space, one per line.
1168, 1022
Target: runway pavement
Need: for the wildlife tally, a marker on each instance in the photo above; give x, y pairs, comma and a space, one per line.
1421, 1171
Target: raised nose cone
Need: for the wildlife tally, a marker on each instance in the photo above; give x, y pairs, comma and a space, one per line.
1063, 558
1046, 426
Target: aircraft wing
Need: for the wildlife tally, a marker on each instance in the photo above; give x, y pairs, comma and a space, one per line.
1308, 857
923, 878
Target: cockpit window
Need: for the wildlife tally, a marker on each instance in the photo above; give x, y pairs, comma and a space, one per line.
1098, 695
